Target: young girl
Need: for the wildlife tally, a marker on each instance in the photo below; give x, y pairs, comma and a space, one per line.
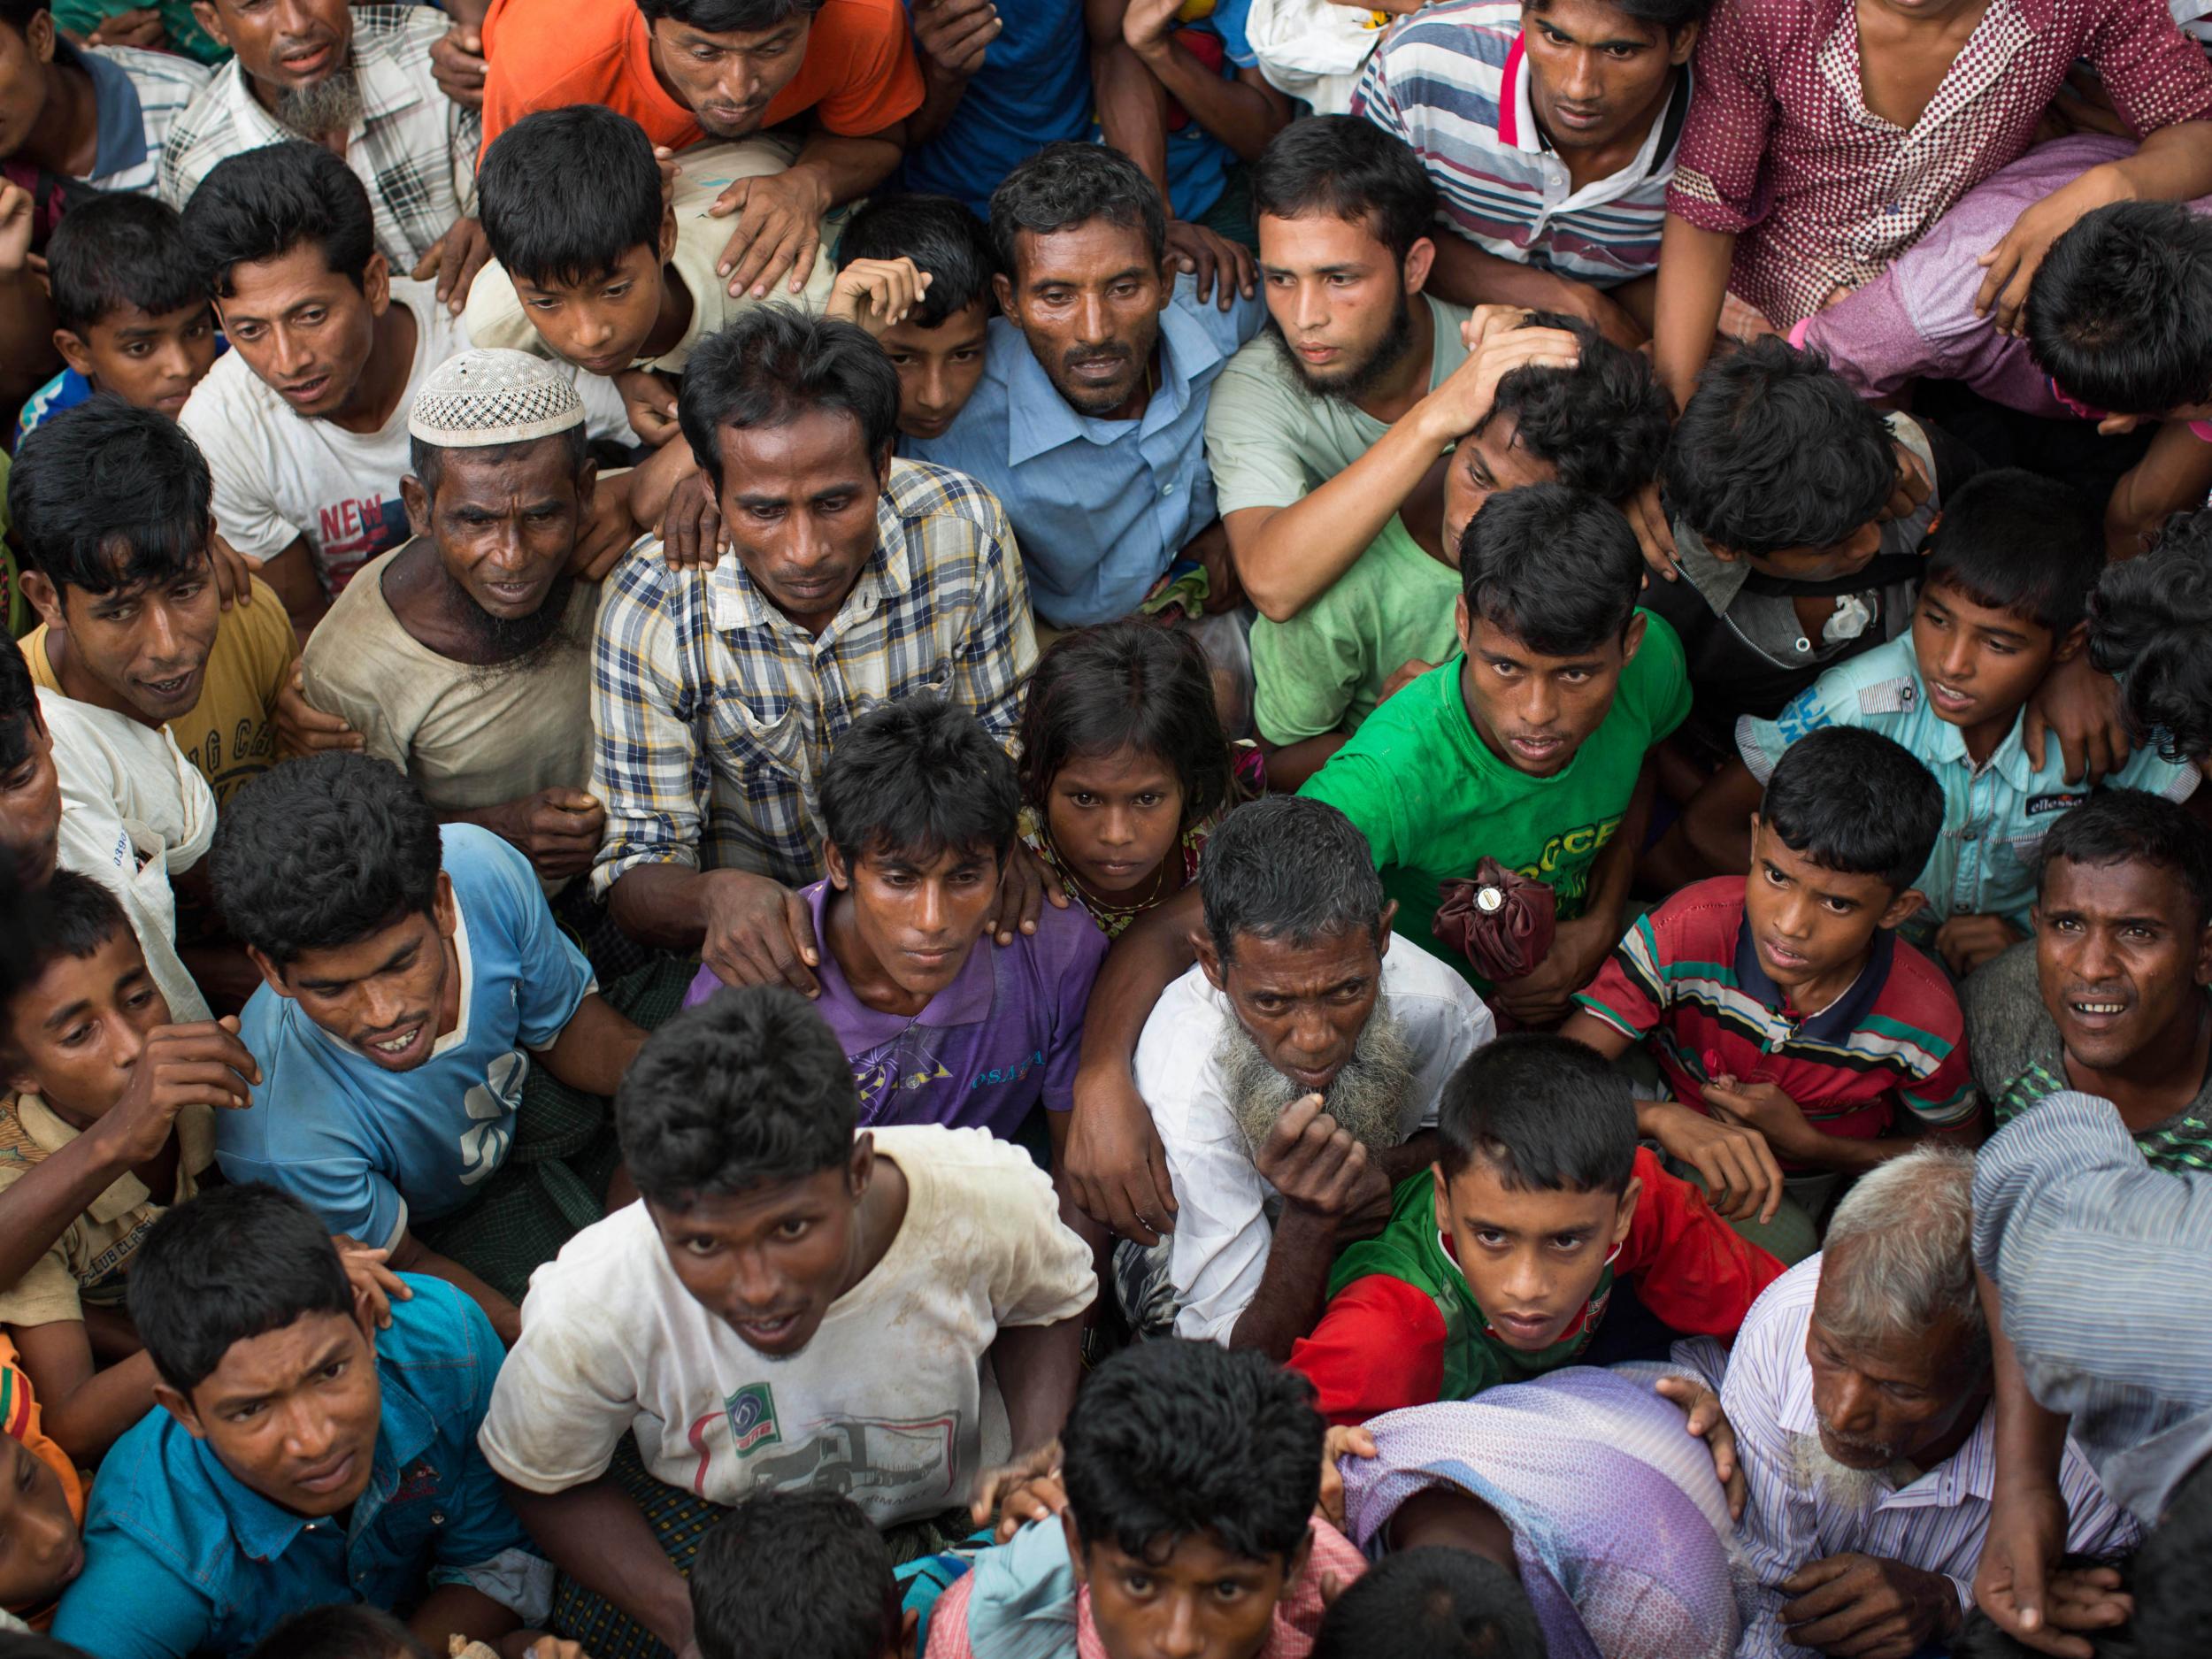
41, 1504
1125, 768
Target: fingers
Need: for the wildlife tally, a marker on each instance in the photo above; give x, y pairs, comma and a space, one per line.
1163, 1185
426, 266
2033, 730
1654, 536
799, 929
1769, 1172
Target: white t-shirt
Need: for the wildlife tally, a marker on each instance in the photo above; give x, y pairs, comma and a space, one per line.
1221, 1230
280, 475
892, 1403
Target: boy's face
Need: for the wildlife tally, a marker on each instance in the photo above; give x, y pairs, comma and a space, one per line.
505, 521
1487, 460
283, 45
2122, 957
24, 55
74, 1034
1846, 558
150, 360
1535, 712
1199, 1601
1088, 299
147, 646
1596, 74
728, 79
602, 324
1981, 665
30, 806
305, 329
939, 368
1808, 922
389, 996
918, 918
41, 1551
1531, 1258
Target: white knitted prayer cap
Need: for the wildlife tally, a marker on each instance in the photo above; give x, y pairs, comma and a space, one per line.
484, 396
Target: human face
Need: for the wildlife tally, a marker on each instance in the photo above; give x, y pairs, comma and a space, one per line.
728, 80
281, 44
1487, 460
1888, 1401
602, 324
1811, 925
144, 647
1197, 1601
505, 521
769, 1262
149, 361
1846, 558
1596, 75
939, 368
1305, 1005
41, 1551
24, 57
1339, 298
292, 1413
305, 329
1980, 664
1534, 711
2121, 956
389, 994
75, 1032
30, 806
1531, 1258
799, 502
1113, 818
916, 918
1088, 299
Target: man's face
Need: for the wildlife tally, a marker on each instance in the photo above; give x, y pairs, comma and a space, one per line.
30, 806
1887, 1401
75, 1033
1808, 922
147, 646
918, 918
504, 522
1340, 299
602, 324
2121, 956
389, 996
285, 45
1846, 558
1304, 1004
41, 1551
1595, 74
729, 80
1486, 461
1533, 710
305, 329
1533, 1259
769, 1262
939, 368
799, 502
1980, 664
292, 1413
23, 56
149, 361
1088, 299
1196, 1601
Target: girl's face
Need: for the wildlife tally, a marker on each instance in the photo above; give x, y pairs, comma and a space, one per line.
1113, 817
40, 1550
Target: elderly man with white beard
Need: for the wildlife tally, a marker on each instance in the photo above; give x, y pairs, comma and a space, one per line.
1293, 1075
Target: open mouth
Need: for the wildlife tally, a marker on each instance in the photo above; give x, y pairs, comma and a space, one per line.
1536, 748
767, 1332
396, 1046
1949, 699
173, 690
1782, 955
307, 391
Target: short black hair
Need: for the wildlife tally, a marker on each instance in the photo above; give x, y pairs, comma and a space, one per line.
426, 460
2116, 312
233, 1263
794, 1573
1069, 183
1288, 867
1776, 451
597, 165
915, 778
747, 1089
345, 1630
728, 17
20, 714
1349, 168
1603, 425
2148, 620
2020, 543
1128, 684
1431, 1603
1673, 16
109, 497
261, 203
71, 915
772, 364
948, 243
1554, 567
17, 13
1545, 1113
2173, 1593
111, 252
1174, 1438
2129, 826
321, 851
1856, 802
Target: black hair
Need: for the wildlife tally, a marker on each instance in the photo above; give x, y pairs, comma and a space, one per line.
946, 241
1069, 183
20, 714
1554, 567
426, 460
1126, 685
1349, 168
598, 165
72, 916
106, 496
118, 250
261, 203
794, 1573
2148, 619
728, 17
749, 1088
1288, 867
322, 851
1673, 16
1545, 1113
2116, 312
1173, 1438
2173, 1593
346, 1629
2018, 542
1856, 802
17, 15
915, 778
1431, 1603
772, 364
1602, 424
233, 1263
2129, 826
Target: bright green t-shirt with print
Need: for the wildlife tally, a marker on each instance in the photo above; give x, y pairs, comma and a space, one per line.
1433, 802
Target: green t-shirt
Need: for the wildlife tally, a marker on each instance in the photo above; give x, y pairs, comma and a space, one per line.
1433, 802
1325, 668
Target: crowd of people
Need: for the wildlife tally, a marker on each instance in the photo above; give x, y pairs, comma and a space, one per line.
1106, 829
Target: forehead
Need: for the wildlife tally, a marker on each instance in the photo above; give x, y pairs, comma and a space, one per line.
362, 956
1198, 1556
755, 1211
1096, 248
1499, 445
129, 319
943, 861
495, 473
821, 445
294, 276
730, 39
276, 1358
1477, 1194
134, 592
634, 263
1971, 612
1124, 770
332, 13
1918, 1355
1490, 640
969, 327
1594, 20
1773, 849
1279, 962
1319, 241
2129, 886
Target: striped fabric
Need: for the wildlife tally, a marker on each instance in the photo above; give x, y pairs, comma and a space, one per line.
2182, 1145
140, 97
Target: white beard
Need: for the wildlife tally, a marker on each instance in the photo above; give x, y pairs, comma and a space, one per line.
1367, 1098
1814, 1471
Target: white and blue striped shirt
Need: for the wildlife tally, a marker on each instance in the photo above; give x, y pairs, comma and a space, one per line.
139, 97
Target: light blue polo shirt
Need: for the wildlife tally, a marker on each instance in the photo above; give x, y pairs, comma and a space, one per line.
1994, 816
1100, 507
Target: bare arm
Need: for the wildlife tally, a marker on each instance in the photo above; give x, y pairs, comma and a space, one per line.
595, 1048
2172, 477
411, 1255
1693, 266
596, 1534
1243, 113
1294, 1289
1467, 273
661, 905
1038, 1367
1716, 824
462, 1610
85, 1409
1131, 105
293, 576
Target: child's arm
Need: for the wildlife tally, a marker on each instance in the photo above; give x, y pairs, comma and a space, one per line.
1787, 1130
85, 1409
1695, 1271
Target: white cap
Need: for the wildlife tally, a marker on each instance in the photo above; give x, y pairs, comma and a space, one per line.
486, 396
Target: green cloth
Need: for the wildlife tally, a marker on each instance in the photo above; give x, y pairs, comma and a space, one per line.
1325, 668
1433, 802
186, 36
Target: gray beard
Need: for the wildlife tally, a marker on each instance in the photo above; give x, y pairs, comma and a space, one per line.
1367, 1097
330, 105
1813, 1472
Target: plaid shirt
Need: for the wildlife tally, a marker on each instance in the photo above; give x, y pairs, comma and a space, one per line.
713, 711
413, 149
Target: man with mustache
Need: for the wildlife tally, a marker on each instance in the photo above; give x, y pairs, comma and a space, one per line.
1292, 1076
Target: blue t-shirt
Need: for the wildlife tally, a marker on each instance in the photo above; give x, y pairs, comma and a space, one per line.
66, 390
366, 1149
1034, 88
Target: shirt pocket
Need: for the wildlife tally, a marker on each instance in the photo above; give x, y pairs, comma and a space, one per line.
746, 734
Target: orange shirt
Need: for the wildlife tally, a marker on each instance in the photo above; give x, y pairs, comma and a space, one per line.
859, 76
19, 1420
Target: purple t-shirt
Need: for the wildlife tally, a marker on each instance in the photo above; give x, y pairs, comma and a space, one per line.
1003, 1036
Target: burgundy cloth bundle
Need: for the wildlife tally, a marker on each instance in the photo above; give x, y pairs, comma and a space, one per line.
1499, 919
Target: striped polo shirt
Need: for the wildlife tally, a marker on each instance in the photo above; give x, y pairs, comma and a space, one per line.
1453, 82
1688, 978
139, 97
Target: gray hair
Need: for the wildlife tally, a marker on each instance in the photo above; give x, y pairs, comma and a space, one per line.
1900, 1252
1288, 867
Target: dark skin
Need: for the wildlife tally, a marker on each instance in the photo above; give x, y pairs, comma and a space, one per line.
1188, 1598
49, 116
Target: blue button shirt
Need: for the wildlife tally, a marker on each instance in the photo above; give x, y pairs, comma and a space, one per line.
1034, 88
1100, 507
181, 1556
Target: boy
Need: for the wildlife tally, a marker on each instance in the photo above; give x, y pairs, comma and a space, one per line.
1496, 1264
301, 1454
1191, 1473
2001, 606
797, 1572
938, 347
41, 1504
2147, 624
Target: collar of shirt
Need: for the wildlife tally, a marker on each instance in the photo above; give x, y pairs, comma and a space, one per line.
1947, 742
50, 1133
1517, 126
1717, 579
2004, 28
735, 605
1969, 1473
1836, 1022
965, 1001
122, 143
1040, 420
